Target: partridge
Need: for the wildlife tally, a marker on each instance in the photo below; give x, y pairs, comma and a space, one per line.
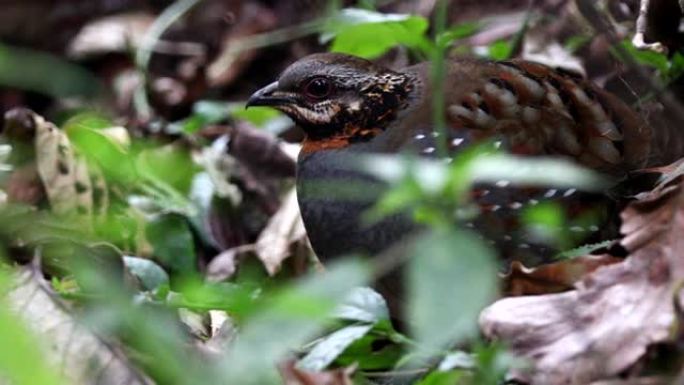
349, 106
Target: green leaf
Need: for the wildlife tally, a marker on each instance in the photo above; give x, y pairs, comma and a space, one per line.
85, 133
149, 273
206, 112
45, 73
441, 378
575, 43
368, 355
269, 335
370, 34
646, 57
168, 167
500, 50
330, 347
258, 116
452, 276
457, 32
173, 243
365, 305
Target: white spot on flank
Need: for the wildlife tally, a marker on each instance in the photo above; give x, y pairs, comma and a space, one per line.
577, 229
429, 150
435, 134
533, 202
497, 144
457, 142
569, 192
515, 205
419, 137
550, 193
502, 183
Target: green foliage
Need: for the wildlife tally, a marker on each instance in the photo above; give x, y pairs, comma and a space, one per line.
500, 50
206, 112
151, 276
173, 243
451, 277
370, 34
292, 317
86, 133
44, 73
669, 69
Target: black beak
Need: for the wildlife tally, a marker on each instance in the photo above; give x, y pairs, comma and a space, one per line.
268, 96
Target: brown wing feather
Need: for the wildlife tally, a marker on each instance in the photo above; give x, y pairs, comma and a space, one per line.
538, 111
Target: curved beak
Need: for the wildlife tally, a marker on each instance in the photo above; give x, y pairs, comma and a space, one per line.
268, 96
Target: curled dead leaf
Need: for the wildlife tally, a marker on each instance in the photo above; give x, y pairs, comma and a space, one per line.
554, 277
283, 230
117, 33
71, 346
606, 324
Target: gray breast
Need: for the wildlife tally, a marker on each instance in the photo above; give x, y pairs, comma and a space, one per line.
333, 199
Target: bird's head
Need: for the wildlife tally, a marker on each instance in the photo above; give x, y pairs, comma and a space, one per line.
337, 99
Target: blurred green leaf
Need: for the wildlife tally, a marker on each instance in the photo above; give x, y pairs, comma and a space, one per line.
441, 378
173, 243
372, 352
85, 133
330, 347
500, 50
365, 305
207, 112
575, 43
646, 57
291, 318
168, 166
676, 66
44, 73
457, 32
370, 34
149, 273
451, 277
258, 116
546, 222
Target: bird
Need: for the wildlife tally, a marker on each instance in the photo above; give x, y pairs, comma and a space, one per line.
349, 107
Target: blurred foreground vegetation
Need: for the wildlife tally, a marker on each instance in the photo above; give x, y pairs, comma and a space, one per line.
149, 231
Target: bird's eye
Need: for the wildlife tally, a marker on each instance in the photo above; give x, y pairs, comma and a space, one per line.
318, 88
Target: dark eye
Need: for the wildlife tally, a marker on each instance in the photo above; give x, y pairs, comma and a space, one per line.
318, 88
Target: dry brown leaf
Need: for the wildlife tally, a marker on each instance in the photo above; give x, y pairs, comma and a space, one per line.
64, 175
223, 266
607, 323
117, 33
283, 230
69, 345
234, 58
293, 376
635, 381
553, 277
